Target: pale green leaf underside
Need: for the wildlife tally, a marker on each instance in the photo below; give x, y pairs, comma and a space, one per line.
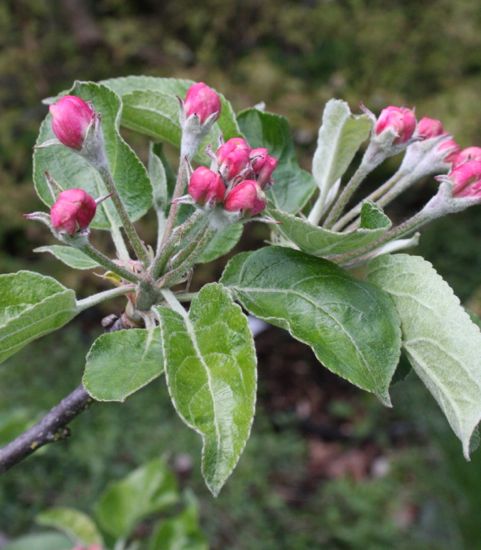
149, 489
76, 525
72, 257
210, 365
175, 87
351, 325
31, 306
293, 186
221, 243
340, 136
442, 343
321, 242
72, 171
120, 363
40, 541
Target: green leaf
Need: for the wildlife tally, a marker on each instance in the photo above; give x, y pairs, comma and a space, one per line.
70, 256
321, 242
181, 532
293, 187
156, 115
40, 541
174, 87
148, 489
70, 170
76, 525
351, 325
122, 362
210, 365
440, 340
31, 306
340, 136
221, 243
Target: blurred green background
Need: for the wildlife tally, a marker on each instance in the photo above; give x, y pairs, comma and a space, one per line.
327, 466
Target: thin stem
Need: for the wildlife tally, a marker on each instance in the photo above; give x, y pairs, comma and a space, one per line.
347, 193
100, 297
106, 262
402, 229
317, 210
185, 296
174, 207
128, 226
376, 194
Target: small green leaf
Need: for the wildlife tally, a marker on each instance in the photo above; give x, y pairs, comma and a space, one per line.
181, 532
322, 242
76, 525
174, 87
72, 257
340, 136
31, 306
293, 187
40, 541
70, 170
148, 489
122, 362
351, 325
221, 243
441, 342
210, 365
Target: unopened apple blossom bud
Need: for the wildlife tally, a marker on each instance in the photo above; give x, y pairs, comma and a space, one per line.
400, 120
71, 118
73, 210
449, 150
429, 127
246, 197
202, 101
466, 179
470, 153
205, 186
263, 165
233, 157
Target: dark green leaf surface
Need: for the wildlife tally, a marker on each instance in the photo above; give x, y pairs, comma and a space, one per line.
210, 365
31, 306
351, 325
120, 363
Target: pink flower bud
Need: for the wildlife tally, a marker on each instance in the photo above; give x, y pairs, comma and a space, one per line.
470, 153
247, 197
466, 179
400, 120
263, 165
233, 157
74, 209
429, 128
206, 186
450, 149
202, 101
71, 117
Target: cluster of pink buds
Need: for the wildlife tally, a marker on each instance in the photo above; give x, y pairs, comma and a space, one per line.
236, 178
73, 211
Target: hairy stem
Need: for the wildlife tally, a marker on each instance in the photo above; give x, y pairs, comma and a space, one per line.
106, 262
100, 297
346, 194
128, 226
174, 207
